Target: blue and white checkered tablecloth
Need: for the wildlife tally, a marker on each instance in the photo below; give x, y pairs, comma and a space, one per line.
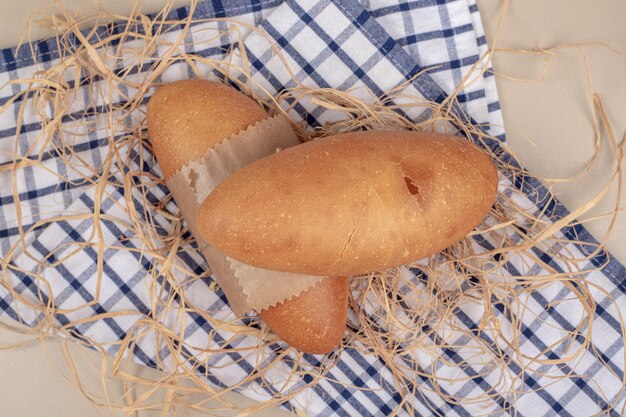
369, 48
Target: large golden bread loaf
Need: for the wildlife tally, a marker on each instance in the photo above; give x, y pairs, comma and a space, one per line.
352, 203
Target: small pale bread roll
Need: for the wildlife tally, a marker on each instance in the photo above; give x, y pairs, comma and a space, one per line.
185, 119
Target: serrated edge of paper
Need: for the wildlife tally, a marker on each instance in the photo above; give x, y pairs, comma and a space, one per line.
313, 281
253, 126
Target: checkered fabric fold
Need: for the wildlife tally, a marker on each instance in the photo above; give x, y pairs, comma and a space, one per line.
368, 47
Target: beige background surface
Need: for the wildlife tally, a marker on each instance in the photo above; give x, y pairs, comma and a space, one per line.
548, 125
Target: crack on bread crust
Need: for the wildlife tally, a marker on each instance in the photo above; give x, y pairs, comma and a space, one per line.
345, 246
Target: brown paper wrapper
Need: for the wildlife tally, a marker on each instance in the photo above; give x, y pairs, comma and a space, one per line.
247, 288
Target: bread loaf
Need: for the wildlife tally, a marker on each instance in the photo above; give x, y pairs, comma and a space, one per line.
187, 118
352, 203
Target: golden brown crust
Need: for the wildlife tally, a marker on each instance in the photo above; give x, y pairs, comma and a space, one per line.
185, 119
323, 331
351, 204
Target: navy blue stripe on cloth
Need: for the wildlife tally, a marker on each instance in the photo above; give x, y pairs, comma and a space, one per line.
435, 34
406, 6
